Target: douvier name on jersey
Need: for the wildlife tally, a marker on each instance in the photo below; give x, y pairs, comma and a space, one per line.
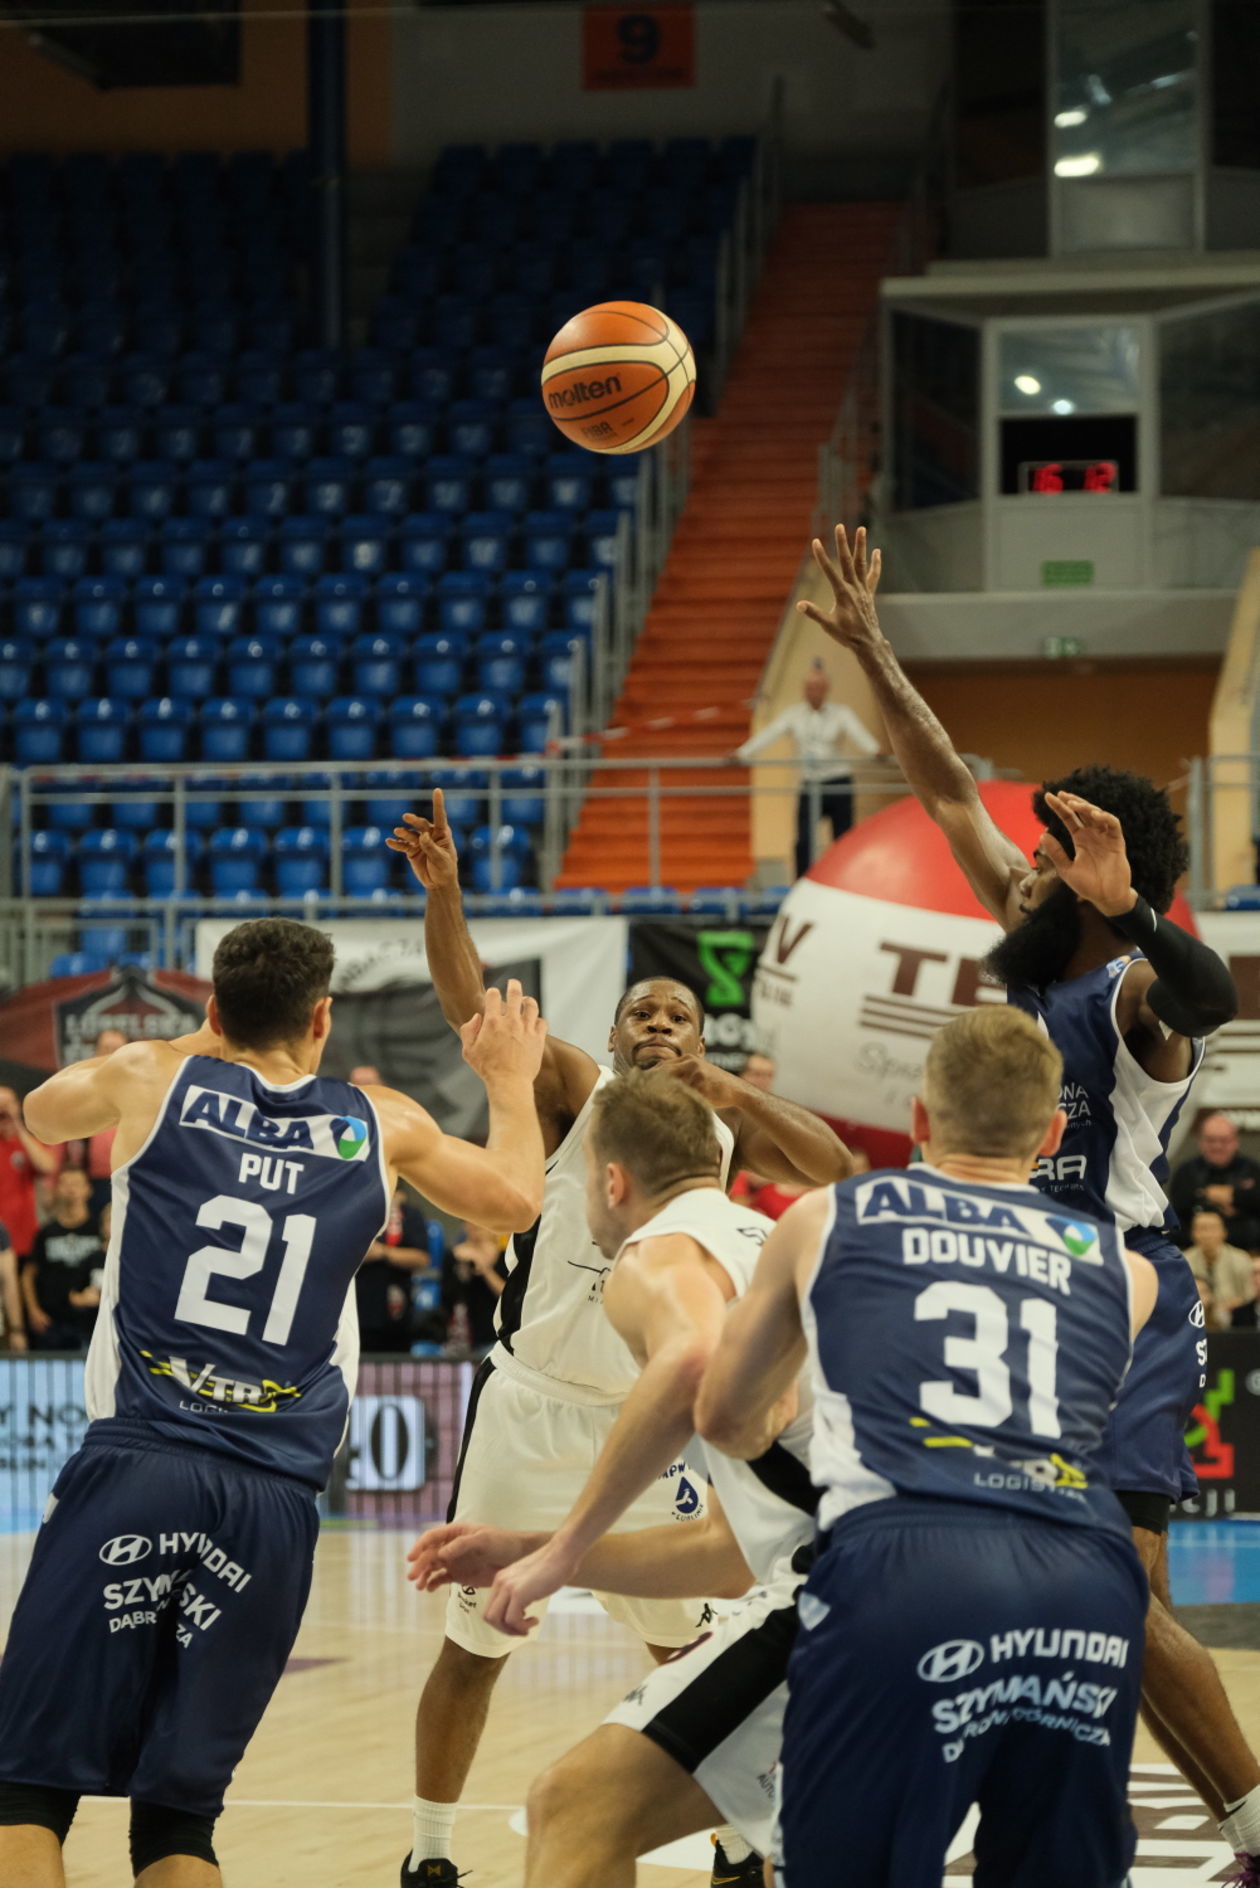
973, 1229
334, 1136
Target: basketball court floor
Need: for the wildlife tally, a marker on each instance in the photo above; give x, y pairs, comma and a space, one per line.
322, 1798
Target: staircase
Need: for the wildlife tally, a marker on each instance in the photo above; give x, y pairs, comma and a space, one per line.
734, 559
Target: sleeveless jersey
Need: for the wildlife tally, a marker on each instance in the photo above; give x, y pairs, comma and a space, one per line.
227, 1316
553, 1334
770, 1503
967, 1344
1114, 1154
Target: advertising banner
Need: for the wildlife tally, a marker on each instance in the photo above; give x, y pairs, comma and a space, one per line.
46, 1025
1224, 1435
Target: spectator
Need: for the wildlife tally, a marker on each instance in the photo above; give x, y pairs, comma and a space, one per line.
1246, 1317
1219, 1176
819, 729
61, 1276
382, 1284
474, 1273
11, 1295
759, 1069
23, 1160
1225, 1269
366, 1075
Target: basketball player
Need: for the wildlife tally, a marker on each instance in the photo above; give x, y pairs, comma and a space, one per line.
546, 1397
1127, 997
971, 1630
700, 1736
172, 1569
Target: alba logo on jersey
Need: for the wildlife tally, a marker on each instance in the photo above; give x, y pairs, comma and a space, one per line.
333, 1136
897, 1198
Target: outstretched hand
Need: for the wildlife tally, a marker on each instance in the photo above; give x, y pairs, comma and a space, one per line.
854, 579
507, 1036
463, 1553
428, 846
1099, 870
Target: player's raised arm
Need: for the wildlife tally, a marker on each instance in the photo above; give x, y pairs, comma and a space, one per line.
499, 1185
745, 1395
940, 780
88, 1096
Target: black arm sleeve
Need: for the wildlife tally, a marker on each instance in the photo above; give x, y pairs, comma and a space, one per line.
1193, 992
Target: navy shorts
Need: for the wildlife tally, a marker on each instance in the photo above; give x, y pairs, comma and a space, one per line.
951, 1655
1144, 1444
161, 1603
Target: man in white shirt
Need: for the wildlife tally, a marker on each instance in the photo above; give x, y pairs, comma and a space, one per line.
826, 734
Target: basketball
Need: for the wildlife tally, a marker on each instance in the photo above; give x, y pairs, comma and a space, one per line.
618, 377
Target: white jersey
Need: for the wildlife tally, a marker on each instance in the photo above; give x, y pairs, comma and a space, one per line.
770, 1503
553, 1335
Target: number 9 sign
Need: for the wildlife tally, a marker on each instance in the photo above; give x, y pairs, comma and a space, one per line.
638, 48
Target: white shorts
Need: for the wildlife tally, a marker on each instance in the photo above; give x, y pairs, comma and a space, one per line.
717, 1708
524, 1460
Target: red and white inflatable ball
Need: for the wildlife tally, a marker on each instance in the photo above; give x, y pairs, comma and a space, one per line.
871, 952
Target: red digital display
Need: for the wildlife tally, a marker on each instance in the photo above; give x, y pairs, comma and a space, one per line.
1069, 475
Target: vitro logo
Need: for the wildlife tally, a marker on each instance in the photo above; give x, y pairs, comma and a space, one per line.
953, 1659
125, 1549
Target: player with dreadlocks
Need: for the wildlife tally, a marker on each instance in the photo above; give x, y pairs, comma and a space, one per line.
1127, 997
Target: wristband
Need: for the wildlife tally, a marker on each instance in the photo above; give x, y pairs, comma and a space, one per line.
1140, 922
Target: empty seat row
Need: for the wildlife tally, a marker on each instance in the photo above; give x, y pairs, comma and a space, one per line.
266, 373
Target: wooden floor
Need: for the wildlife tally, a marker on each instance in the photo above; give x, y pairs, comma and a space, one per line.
321, 1800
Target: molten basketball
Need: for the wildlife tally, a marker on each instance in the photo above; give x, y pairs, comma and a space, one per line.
618, 377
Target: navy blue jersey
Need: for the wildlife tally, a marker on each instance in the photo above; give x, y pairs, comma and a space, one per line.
227, 1315
967, 1343
1114, 1155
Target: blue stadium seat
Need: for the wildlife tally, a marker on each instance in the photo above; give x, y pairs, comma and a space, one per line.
464, 792
160, 860
315, 665
124, 548
493, 375
439, 666
184, 547
130, 667
601, 533
226, 727
77, 964
501, 661
415, 729
508, 481
424, 543
157, 606
374, 377
386, 488
478, 724
546, 539
258, 379
279, 605
537, 714
338, 603
268, 804
98, 605
580, 592
208, 488
101, 729
103, 943
376, 664
235, 855
316, 375
326, 486
201, 380
364, 543
234, 433
501, 852
487, 539
17, 663
302, 546
411, 428
60, 435
177, 435
569, 480
70, 667
164, 730
716, 901
218, 606
63, 548
14, 539
524, 795
105, 860
463, 600
151, 489
526, 427
192, 667
300, 854
267, 487
394, 793
91, 489
203, 809
558, 649
253, 667
624, 481
32, 492
12, 434
446, 483
50, 859
315, 811
351, 724
134, 807
119, 436
525, 601
289, 726
578, 900
400, 604
351, 429
365, 862
243, 546
471, 426
646, 900
293, 434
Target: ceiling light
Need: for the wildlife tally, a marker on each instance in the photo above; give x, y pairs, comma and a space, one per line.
1083, 166
1066, 119
1027, 383
1063, 406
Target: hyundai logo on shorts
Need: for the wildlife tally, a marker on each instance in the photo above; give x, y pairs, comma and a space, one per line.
125, 1549
946, 1663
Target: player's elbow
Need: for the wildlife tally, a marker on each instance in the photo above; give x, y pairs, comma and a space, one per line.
39, 1114
511, 1208
717, 1419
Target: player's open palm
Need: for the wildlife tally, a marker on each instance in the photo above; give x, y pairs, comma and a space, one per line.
428, 846
507, 1038
462, 1553
854, 578
1099, 869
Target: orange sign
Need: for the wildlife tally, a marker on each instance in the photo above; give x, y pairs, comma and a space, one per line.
628, 49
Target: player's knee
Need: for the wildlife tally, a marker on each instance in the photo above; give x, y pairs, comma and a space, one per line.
157, 1831
471, 1671
560, 1794
33, 1805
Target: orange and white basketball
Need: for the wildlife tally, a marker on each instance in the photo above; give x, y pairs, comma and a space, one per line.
618, 377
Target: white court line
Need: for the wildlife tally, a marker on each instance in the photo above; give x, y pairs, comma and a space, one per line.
284, 1802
